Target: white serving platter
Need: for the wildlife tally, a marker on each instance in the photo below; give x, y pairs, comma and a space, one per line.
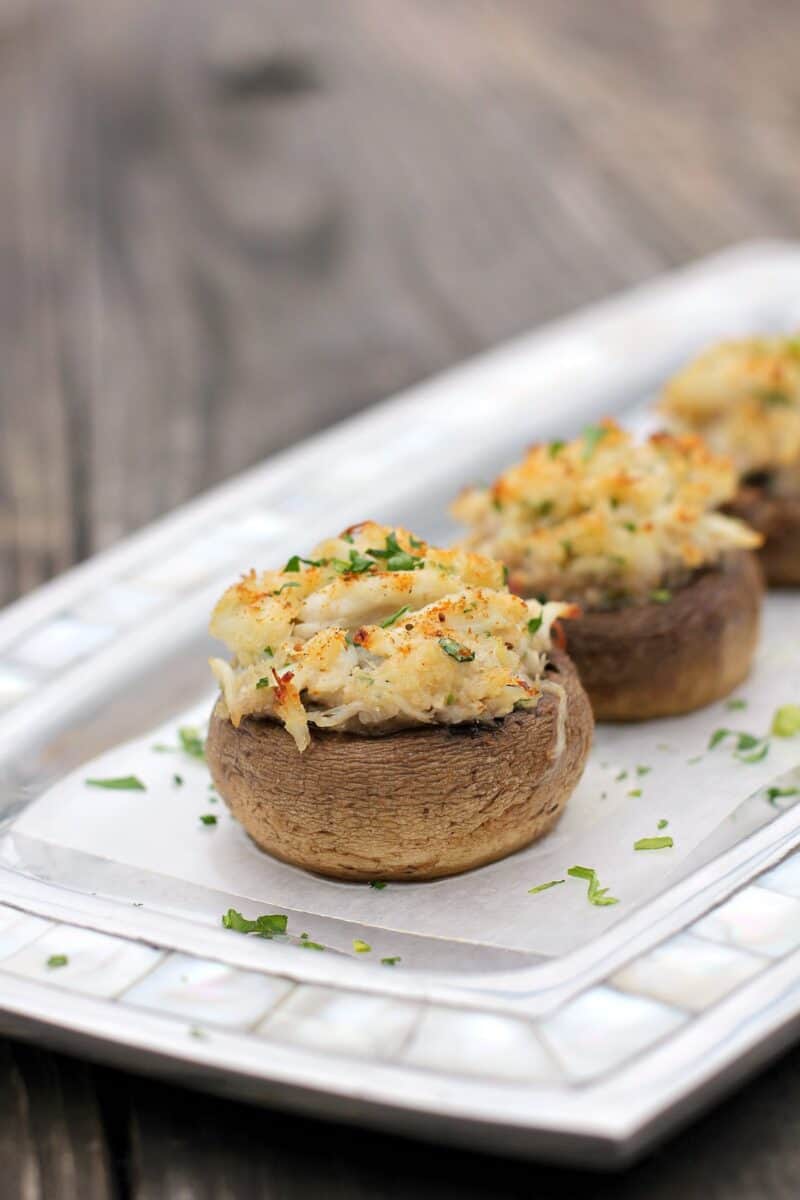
537, 1025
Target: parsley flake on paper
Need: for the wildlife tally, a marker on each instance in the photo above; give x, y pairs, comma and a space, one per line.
391, 961
266, 926
748, 749
208, 819
786, 721
361, 947
654, 843
542, 887
777, 793
307, 944
191, 741
378, 884
122, 783
57, 960
595, 894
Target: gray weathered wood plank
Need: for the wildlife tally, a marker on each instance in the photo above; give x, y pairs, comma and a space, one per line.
52, 1138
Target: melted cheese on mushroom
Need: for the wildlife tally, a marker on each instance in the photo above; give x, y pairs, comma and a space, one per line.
376, 631
744, 398
604, 520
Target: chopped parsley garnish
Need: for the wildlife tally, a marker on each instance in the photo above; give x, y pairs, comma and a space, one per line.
635, 792
294, 563
654, 843
395, 616
592, 437
663, 823
122, 783
786, 722
356, 564
757, 755
622, 775
177, 780
191, 741
415, 542
734, 704
265, 681
555, 448
378, 884
775, 398
57, 960
505, 575
268, 650
460, 653
265, 926
450, 699
283, 588
661, 595
643, 770
776, 793
307, 944
395, 557
535, 624
390, 962
595, 894
360, 946
542, 887
631, 526
208, 819
749, 748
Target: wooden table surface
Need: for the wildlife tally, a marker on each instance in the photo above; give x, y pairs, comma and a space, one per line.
223, 225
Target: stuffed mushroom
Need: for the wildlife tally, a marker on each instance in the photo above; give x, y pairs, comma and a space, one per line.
669, 589
744, 398
392, 711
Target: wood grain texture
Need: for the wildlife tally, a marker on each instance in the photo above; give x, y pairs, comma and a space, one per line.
222, 226
52, 1138
225, 225
209, 1149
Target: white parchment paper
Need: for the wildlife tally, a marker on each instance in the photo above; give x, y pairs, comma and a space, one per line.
636, 776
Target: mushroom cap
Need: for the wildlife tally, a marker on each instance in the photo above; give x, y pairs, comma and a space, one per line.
660, 660
778, 518
418, 803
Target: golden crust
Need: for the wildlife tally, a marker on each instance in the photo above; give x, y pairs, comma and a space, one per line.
605, 517
743, 396
376, 631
